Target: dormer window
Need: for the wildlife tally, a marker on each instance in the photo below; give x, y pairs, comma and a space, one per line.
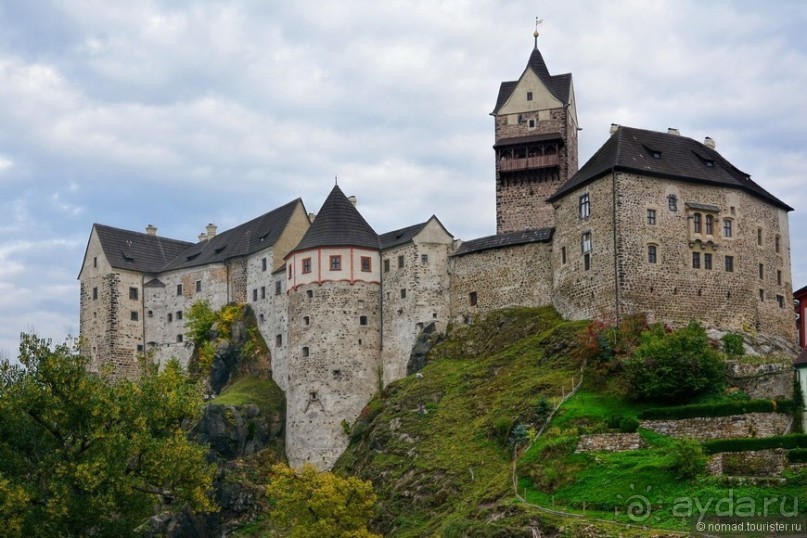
710, 163
656, 154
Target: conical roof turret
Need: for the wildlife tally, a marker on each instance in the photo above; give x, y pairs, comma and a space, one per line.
338, 223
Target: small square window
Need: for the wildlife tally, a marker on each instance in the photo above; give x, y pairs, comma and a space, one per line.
336, 263
403, 293
179, 315
400, 262
261, 318
278, 340
529, 96
386, 266
140, 348
278, 287
780, 300
696, 260
306, 265
651, 216
180, 338
255, 295
366, 264
472, 298
198, 286
263, 292
179, 289
672, 201
531, 123
306, 352
707, 261
309, 293
170, 317
133, 315
729, 264
151, 313
362, 320
424, 259
95, 294
306, 321
133, 294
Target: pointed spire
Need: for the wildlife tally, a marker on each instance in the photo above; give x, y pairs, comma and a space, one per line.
338, 223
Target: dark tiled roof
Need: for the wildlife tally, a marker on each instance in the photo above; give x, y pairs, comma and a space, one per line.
248, 238
559, 85
679, 157
135, 251
338, 223
800, 293
399, 237
404, 235
542, 235
801, 359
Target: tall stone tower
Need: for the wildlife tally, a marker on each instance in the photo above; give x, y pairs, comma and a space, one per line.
334, 357
535, 124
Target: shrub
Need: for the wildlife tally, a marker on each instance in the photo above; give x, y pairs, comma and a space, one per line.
733, 345
797, 455
688, 459
723, 409
518, 437
623, 424
542, 410
674, 367
756, 443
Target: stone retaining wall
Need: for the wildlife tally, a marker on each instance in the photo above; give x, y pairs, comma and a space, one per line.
609, 442
751, 463
703, 428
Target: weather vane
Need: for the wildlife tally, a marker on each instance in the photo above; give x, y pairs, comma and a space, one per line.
535, 34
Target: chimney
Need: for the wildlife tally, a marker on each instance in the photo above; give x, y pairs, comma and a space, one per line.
352, 199
673, 131
202, 236
211, 230
151, 229
614, 128
709, 142
311, 217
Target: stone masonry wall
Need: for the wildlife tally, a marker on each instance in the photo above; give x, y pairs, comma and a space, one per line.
579, 293
520, 199
334, 366
761, 381
426, 282
702, 428
519, 275
751, 463
671, 290
167, 307
609, 442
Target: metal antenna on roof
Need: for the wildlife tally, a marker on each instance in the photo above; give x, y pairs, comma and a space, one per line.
335, 180
535, 34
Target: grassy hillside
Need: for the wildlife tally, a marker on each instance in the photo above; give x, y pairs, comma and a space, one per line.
446, 470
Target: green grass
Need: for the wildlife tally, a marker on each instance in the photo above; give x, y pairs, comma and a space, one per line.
603, 483
253, 390
447, 472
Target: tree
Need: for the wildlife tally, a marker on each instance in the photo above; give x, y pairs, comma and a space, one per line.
674, 367
81, 456
313, 504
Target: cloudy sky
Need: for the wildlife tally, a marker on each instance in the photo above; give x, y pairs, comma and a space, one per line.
180, 113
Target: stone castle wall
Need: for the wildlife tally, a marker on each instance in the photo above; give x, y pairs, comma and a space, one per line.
579, 293
735, 426
520, 197
672, 290
334, 366
519, 275
426, 281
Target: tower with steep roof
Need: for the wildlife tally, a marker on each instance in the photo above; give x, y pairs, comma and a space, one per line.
334, 330
535, 125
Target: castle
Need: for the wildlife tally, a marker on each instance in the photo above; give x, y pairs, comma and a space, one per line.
654, 222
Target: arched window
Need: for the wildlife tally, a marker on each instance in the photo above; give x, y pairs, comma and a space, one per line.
362, 320
305, 351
